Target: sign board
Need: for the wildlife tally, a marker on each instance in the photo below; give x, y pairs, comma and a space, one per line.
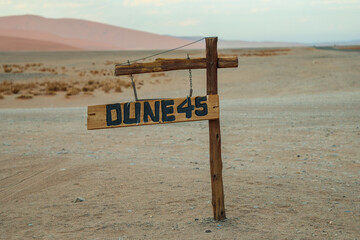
146, 112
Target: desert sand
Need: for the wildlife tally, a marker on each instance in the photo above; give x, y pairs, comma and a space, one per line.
87, 35
290, 147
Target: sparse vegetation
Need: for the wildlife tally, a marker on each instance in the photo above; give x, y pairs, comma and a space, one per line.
25, 96
48, 86
265, 53
72, 91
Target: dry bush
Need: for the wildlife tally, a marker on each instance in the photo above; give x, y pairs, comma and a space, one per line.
15, 88
25, 96
50, 70
1, 96
90, 82
94, 72
8, 69
118, 89
29, 65
88, 88
72, 91
82, 74
5, 86
107, 87
56, 86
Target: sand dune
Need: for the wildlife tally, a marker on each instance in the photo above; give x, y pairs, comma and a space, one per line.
110, 37
24, 44
44, 36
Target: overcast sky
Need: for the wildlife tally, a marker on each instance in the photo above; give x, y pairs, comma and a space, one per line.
253, 20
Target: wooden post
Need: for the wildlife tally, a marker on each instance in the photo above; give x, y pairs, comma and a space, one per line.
214, 133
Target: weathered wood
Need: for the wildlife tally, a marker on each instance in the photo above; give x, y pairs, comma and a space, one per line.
214, 134
146, 112
162, 65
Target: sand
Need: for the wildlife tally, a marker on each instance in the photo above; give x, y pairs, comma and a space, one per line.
290, 137
83, 34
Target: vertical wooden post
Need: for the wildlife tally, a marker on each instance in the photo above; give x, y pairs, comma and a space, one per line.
214, 133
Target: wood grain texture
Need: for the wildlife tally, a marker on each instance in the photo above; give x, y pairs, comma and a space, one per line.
162, 65
214, 134
97, 115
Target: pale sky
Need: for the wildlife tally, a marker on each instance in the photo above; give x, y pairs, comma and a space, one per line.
252, 20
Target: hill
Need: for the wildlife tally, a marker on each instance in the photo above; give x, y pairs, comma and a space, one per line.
86, 35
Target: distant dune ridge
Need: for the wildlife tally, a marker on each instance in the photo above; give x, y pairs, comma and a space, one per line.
8, 43
79, 34
36, 33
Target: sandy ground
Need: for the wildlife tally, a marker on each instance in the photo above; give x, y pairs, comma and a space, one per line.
290, 146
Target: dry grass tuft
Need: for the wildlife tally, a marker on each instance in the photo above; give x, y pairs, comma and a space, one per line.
50, 87
88, 88
72, 91
107, 87
5, 86
25, 96
15, 88
56, 86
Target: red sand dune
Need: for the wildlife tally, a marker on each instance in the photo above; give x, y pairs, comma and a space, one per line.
77, 43
24, 44
104, 37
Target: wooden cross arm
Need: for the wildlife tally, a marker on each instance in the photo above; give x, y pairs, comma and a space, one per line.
162, 65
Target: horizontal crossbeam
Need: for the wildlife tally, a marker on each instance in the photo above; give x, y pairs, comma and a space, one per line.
162, 65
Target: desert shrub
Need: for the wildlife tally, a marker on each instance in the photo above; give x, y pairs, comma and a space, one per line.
118, 89
107, 87
5, 86
1, 96
72, 91
25, 96
15, 89
8, 70
56, 86
90, 82
82, 74
88, 88
49, 93
94, 72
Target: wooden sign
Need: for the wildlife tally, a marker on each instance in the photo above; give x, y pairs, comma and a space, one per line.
159, 111
148, 112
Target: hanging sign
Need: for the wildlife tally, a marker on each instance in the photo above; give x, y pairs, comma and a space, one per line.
146, 112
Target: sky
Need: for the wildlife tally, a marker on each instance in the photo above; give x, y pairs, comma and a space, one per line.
305, 21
